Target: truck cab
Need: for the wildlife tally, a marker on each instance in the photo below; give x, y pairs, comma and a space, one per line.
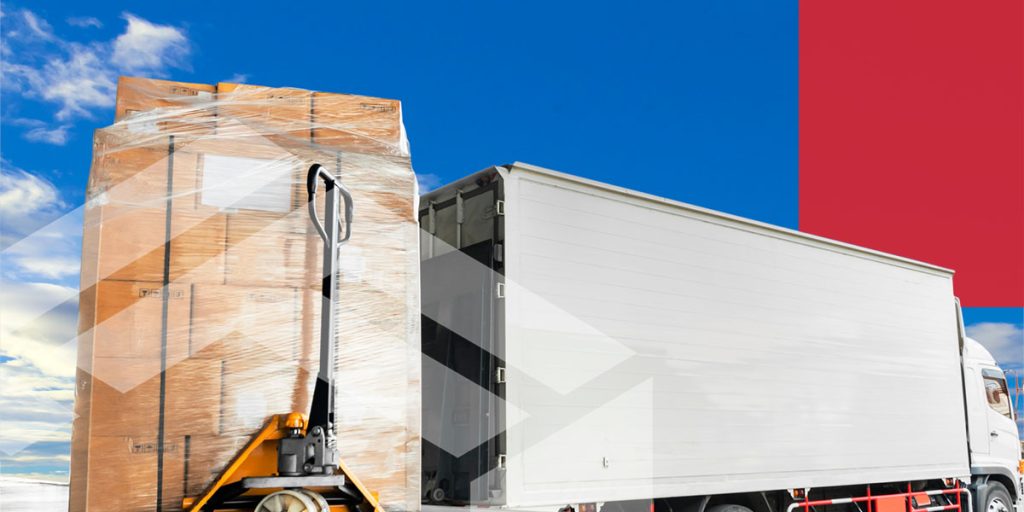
993, 439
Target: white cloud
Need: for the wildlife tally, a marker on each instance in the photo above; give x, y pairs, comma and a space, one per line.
23, 194
34, 408
42, 66
38, 331
22, 121
38, 323
84, 22
37, 366
428, 182
53, 268
78, 81
34, 332
146, 46
1004, 340
50, 251
36, 235
37, 27
237, 78
57, 136
80, 77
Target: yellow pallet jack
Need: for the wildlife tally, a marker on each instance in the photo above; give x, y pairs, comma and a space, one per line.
292, 464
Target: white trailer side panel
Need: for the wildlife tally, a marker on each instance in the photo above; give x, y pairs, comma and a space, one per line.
656, 349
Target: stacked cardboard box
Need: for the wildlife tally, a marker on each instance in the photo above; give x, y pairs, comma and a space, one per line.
200, 289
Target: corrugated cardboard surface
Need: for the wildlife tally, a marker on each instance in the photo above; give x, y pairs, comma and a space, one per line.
200, 290
344, 120
137, 97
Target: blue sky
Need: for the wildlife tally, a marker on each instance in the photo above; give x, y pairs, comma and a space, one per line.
705, 94
695, 102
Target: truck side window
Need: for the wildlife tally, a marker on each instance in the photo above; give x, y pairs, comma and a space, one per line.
996, 393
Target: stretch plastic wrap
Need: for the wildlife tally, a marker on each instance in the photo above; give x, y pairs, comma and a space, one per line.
200, 299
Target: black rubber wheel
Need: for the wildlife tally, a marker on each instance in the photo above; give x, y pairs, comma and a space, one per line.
728, 507
997, 498
437, 495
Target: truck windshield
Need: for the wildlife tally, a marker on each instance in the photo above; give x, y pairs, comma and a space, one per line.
997, 394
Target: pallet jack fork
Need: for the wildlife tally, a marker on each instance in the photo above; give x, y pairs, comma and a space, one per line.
292, 464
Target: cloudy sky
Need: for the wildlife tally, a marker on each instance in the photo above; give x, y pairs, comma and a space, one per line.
57, 75
53, 87
469, 94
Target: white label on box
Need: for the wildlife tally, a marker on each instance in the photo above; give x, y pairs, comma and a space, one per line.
237, 182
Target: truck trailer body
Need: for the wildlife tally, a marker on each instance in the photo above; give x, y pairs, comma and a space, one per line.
585, 343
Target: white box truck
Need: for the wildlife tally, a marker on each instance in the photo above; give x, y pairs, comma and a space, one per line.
589, 347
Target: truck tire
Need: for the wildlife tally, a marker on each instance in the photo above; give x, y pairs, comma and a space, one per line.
627, 506
437, 495
731, 508
997, 498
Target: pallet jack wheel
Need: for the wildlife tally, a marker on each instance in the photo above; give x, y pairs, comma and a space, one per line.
290, 500
319, 500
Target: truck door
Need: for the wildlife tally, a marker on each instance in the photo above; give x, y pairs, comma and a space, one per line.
977, 417
462, 342
1003, 443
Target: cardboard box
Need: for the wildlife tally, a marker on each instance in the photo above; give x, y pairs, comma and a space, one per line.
256, 388
128, 319
128, 467
232, 322
131, 190
219, 211
153, 173
253, 174
193, 398
135, 95
122, 473
81, 435
150, 106
266, 109
260, 256
189, 470
133, 244
360, 124
126, 396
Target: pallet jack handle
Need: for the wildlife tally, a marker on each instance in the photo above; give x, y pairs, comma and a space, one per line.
321, 413
331, 181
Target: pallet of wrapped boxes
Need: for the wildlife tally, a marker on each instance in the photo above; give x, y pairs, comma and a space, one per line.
200, 289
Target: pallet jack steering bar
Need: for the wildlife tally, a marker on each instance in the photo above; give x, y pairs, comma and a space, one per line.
321, 412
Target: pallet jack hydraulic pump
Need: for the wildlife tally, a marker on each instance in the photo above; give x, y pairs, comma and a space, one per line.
292, 464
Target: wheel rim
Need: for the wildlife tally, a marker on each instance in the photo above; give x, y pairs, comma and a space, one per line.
437, 494
287, 501
319, 500
997, 505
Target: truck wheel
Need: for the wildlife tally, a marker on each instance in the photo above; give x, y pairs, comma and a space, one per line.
997, 498
730, 508
437, 495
